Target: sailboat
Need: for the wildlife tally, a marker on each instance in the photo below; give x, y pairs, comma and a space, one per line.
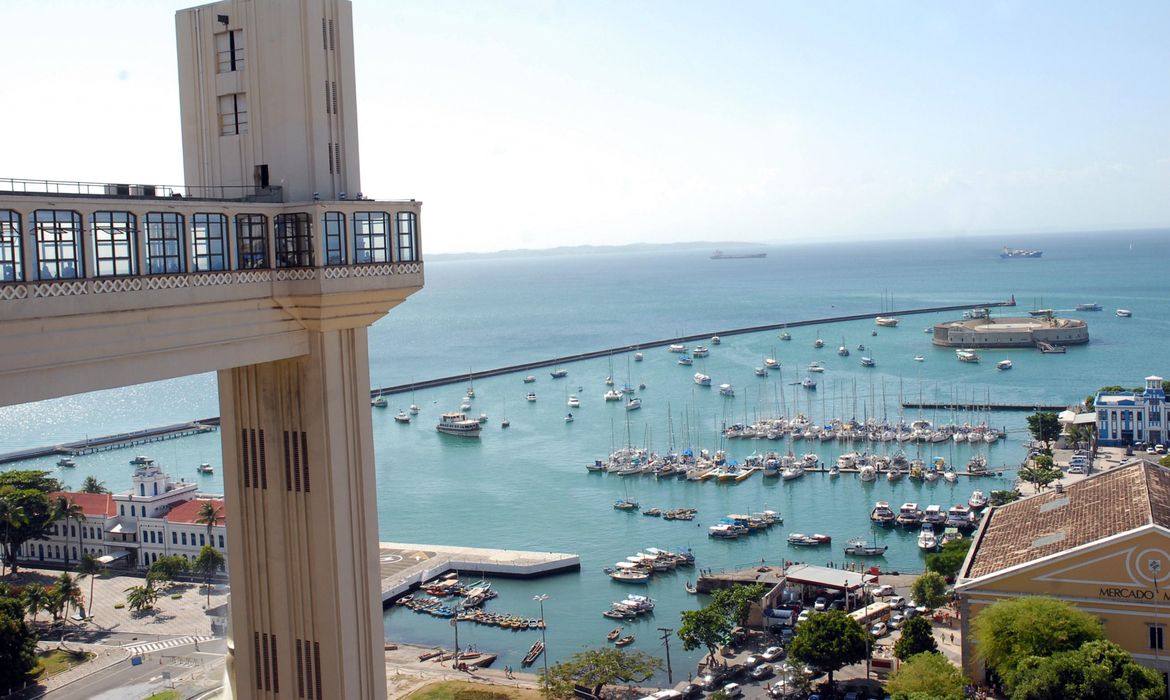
505, 422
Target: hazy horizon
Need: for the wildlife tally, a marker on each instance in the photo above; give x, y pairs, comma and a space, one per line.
533, 124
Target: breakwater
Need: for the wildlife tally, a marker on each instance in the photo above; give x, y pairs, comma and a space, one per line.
114, 442
663, 342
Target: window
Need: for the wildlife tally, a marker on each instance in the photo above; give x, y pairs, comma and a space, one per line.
229, 51
164, 243
58, 240
406, 225
141, 492
11, 260
174, 538
122, 509
113, 240
371, 234
132, 513
294, 240
201, 539
1156, 632
251, 241
221, 541
233, 114
209, 236
184, 538
334, 238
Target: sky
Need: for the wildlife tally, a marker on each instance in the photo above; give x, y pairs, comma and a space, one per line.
538, 123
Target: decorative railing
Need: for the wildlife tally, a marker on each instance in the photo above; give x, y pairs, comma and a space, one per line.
234, 193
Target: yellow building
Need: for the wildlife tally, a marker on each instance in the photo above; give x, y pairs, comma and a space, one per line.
1102, 544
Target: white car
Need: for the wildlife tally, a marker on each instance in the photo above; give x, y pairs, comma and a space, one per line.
879, 629
897, 602
883, 591
773, 653
821, 604
896, 620
1151, 451
1076, 469
803, 616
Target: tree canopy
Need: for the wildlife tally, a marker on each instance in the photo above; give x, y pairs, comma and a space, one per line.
929, 589
207, 563
25, 510
1045, 427
167, 568
917, 638
596, 668
927, 676
1011, 631
706, 627
737, 601
1039, 477
18, 642
829, 641
92, 485
949, 559
999, 498
1098, 670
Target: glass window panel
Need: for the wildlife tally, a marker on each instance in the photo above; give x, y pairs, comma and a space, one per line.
11, 252
334, 238
406, 223
252, 241
371, 237
164, 243
114, 235
294, 240
58, 244
209, 238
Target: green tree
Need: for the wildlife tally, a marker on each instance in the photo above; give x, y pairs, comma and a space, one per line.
91, 567
207, 563
927, 676
1043, 461
35, 598
64, 509
736, 602
139, 598
1098, 670
92, 485
67, 593
1165, 461
596, 668
829, 641
27, 492
917, 638
1045, 427
706, 627
18, 643
11, 517
999, 498
949, 559
167, 568
1010, 631
209, 515
1039, 477
929, 589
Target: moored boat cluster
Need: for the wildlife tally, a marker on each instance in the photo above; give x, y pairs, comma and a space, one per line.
734, 525
638, 568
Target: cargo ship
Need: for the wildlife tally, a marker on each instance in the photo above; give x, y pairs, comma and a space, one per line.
720, 255
1020, 253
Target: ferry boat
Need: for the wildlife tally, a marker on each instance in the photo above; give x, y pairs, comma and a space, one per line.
700, 351
1124, 313
1088, 307
1007, 253
702, 379
142, 459
909, 515
458, 424
1003, 364
967, 356
887, 321
720, 255
402, 416
802, 540
882, 514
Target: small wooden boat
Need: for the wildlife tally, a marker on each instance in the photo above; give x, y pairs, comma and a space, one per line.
691, 588
483, 660
430, 654
614, 634
535, 651
625, 641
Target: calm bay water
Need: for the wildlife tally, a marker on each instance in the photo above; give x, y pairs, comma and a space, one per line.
527, 488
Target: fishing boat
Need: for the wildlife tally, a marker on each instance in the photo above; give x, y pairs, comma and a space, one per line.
379, 401
887, 321
859, 547
702, 379
801, 540
625, 641
614, 634
458, 424
533, 654
882, 514
927, 540
1124, 313
629, 575
909, 515
967, 356
205, 468
1003, 364
978, 499
66, 462
402, 416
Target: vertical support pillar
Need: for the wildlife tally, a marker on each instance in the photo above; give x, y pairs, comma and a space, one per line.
306, 613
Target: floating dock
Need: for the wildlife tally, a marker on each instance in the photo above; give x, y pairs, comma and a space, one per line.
407, 566
114, 442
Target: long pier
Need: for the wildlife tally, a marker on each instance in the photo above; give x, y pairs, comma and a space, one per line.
114, 442
982, 406
663, 342
407, 566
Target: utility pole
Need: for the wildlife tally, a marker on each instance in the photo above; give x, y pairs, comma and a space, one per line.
666, 643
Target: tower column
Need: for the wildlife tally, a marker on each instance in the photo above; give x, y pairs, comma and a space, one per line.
306, 613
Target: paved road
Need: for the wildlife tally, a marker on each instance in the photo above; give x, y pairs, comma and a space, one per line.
124, 681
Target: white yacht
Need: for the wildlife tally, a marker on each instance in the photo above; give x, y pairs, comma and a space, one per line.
677, 348
771, 362
686, 361
634, 404
726, 390
700, 351
402, 416
531, 396
1003, 364
702, 379
379, 401
816, 367
966, 356
888, 321
456, 423
927, 540
613, 395
1124, 313
573, 401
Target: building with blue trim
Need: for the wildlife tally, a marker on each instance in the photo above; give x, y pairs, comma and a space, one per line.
1128, 417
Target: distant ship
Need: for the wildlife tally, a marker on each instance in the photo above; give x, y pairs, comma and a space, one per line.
1020, 253
720, 255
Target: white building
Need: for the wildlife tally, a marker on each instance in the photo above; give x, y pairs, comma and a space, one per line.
1129, 417
156, 517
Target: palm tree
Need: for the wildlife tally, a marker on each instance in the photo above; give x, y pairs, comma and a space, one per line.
141, 597
209, 515
68, 589
35, 598
65, 509
89, 566
92, 485
11, 516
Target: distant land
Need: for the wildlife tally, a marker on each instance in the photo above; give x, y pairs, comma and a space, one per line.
726, 246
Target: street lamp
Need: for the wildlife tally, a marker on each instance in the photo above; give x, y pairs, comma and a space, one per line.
540, 599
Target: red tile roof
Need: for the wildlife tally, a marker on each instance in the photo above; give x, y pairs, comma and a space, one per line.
91, 503
188, 511
1105, 504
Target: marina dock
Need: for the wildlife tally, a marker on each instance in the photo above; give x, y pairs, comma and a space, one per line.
114, 442
982, 406
406, 566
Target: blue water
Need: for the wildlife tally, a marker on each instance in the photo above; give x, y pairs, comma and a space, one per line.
527, 487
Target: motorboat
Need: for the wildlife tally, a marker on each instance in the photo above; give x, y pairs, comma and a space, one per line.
950, 476
761, 372
634, 404
715, 340
702, 379
934, 515
726, 390
638, 357
66, 462
568, 417
700, 351
677, 348
413, 409
795, 471
573, 401
887, 321
867, 472
531, 396
859, 547
402, 417
802, 540
465, 406
967, 356
785, 336
978, 499
529, 379
1003, 364
818, 344
843, 351
505, 423
861, 348
686, 361
379, 401
882, 514
142, 460
808, 383
834, 471
867, 362
723, 531
960, 516
205, 468
950, 534
458, 424
771, 363
613, 395
816, 367
909, 515
1124, 313
919, 358
927, 540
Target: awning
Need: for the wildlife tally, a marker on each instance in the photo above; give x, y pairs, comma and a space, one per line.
108, 558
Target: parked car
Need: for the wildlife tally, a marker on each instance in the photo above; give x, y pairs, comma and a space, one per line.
754, 660
761, 672
710, 681
786, 634
803, 616
1076, 469
732, 690
1151, 451
897, 602
692, 691
1160, 449
837, 605
883, 591
773, 653
897, 620
820, 604
879, 629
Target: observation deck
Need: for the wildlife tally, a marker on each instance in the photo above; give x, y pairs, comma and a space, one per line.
122, 278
